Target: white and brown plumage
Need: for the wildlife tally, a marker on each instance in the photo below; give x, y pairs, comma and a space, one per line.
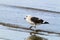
34, 20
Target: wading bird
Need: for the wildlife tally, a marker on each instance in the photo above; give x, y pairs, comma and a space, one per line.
34, 21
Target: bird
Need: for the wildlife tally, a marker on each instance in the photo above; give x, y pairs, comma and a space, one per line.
34, 21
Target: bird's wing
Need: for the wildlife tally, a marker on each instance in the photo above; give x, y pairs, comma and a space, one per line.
34, 19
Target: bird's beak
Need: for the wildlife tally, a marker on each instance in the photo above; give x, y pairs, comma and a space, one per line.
24, 18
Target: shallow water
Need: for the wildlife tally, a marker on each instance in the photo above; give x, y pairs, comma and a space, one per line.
16, 16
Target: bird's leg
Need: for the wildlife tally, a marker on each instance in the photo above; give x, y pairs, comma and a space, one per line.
35, 26
31, 27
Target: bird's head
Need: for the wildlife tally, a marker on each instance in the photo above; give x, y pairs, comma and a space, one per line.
28, 16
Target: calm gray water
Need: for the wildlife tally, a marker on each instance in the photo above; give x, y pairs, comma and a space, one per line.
16, 16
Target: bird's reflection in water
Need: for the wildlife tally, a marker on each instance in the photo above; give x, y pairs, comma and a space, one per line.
34, 37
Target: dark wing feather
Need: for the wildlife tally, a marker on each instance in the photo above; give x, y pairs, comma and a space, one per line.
36, 20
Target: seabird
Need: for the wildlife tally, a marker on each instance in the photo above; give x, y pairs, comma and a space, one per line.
34, 21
